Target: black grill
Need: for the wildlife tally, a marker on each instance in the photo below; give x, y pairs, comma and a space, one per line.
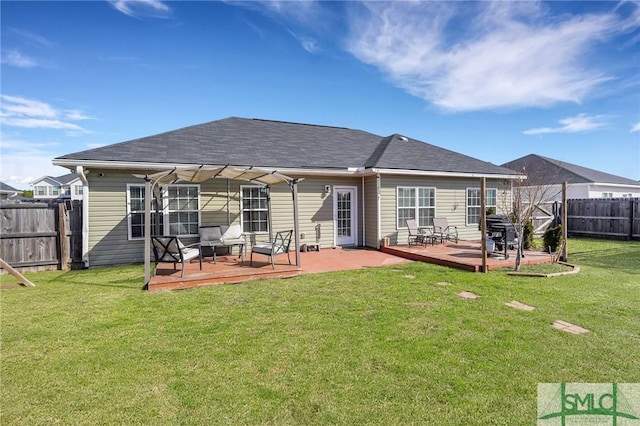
502, 232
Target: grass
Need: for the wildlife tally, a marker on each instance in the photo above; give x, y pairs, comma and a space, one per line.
376, 346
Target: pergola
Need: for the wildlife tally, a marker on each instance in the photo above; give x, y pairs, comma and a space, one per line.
266, 178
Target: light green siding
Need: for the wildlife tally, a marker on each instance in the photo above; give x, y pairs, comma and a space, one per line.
219, 205
451, 203
315, 209
371, 211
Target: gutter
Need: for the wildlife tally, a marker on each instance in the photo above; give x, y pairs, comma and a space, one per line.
85, 214
349, 171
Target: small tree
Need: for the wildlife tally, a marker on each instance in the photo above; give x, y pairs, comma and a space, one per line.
528, 195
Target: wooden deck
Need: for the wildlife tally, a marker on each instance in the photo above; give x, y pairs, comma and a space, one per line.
229, 269
464, 255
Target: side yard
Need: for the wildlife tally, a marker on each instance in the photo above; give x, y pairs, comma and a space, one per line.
390, 345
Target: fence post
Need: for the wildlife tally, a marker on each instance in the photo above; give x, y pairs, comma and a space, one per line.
565, 225
64, 245
631, 217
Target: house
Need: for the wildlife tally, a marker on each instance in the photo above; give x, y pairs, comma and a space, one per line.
354, 187
67, 186
7, 191
582, 181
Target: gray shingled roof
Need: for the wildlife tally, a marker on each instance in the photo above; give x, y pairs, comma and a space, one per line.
264, 143
8, 188
547, 171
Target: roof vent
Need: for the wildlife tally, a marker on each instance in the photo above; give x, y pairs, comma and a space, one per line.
403, 138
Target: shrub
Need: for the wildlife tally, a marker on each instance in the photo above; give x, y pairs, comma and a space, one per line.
552, 238
527, 236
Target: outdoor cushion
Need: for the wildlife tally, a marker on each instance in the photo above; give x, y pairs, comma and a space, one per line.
232, 233
210, 233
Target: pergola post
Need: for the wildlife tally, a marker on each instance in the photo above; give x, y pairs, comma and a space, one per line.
296, 224
147, 230
483, 223
269, 213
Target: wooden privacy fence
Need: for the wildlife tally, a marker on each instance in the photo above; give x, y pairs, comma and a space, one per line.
38, 237
604, 217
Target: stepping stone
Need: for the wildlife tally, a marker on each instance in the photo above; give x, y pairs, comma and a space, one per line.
468, 295
569, 328
443, 283
518, 305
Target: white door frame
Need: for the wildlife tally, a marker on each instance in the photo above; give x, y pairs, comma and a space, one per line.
354, 214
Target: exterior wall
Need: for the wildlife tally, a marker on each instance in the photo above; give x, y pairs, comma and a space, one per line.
451, 203
315, 209
592, 190
108, 227
49, 185
371, 212
596, 191
71, 190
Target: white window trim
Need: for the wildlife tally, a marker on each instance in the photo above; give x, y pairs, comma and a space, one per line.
417, 205
165, 208
129, 212
164, 211
242, 209
466, 201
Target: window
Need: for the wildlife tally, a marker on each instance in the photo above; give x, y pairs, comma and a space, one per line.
179, 211
135, 213
40, 190
255, 208
607, 195
415, 203
474, 203
77, 189
55, 190
184, 210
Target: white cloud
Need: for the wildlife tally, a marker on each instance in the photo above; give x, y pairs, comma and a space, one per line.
142, 8
636, 127
16, 59
23, 162
309, 44
579, 123
506, 55
17, 111
307, 16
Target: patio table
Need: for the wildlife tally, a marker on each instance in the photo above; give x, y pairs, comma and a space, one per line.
216, 244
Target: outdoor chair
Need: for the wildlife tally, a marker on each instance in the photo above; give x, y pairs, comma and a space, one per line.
443, 231
171, 250
417, 235
279, 245
227, 236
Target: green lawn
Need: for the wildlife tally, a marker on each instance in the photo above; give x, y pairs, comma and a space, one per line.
376, 346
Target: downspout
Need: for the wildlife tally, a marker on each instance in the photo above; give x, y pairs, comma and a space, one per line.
378, 198
85, 214
364, 213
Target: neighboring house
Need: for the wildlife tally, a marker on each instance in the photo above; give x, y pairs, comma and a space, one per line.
582, 182
7, 191
355, 187
67, 186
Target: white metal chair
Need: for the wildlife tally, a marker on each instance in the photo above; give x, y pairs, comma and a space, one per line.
279, 245
444, 231
416, 235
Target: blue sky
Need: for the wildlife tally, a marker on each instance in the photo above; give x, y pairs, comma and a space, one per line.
493, 80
